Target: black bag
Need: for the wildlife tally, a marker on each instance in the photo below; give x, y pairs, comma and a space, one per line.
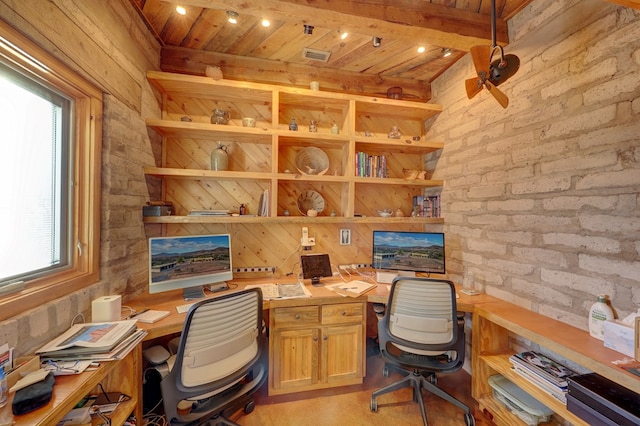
33, 396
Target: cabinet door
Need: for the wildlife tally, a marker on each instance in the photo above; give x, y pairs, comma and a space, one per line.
342, 353
294, 358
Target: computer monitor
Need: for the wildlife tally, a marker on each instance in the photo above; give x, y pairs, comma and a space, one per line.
409, 251
315, 266
188, 263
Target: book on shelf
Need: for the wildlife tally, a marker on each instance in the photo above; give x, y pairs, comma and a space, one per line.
209, 213
263, 205
89, 338
560, 393
282, 291
370, 165
353, 288
542, 366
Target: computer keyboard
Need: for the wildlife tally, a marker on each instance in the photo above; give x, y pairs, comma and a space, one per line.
183, 308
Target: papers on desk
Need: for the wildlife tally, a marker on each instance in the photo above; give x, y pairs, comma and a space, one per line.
282, 291
353, 288
151, 316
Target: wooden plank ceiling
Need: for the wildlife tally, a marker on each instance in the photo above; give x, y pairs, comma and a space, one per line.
249, 51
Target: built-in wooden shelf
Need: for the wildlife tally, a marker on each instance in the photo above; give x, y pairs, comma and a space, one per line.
262, 158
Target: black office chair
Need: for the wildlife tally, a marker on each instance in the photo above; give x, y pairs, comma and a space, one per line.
421, 334
219, 362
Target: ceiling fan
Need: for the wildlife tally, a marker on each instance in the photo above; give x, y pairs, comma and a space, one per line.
491, 72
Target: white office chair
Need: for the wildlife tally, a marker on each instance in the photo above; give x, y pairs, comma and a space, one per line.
219, 362
420, 335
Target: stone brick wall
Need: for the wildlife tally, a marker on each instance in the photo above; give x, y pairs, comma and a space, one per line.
541, 199
94, 38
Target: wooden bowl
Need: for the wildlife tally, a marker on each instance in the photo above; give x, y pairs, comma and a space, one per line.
310, 200
312, 161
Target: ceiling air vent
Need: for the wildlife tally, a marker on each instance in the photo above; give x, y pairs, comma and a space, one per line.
315, 55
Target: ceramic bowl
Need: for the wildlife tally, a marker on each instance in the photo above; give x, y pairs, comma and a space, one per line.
385, 213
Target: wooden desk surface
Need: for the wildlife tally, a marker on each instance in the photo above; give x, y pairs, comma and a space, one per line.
167, 301
563, 339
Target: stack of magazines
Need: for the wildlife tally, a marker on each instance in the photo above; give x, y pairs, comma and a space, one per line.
544, 372
105, 341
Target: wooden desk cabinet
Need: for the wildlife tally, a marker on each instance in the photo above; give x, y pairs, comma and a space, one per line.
316, 344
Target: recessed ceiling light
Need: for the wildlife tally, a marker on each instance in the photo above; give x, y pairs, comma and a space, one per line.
421, 49
308, 29
446, 52
376, 41
181, 10
232, 16
344, 35
265, 23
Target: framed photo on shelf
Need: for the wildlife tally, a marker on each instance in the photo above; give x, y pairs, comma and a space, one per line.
345, 237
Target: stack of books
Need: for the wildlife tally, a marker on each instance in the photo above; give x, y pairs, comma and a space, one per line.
544, 372
371, 165
104, 341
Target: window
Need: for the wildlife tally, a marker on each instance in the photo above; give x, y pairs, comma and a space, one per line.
50, 179
34, 219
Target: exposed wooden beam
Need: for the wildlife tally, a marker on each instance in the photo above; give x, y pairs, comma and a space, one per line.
190, 61
428, 23
635, 4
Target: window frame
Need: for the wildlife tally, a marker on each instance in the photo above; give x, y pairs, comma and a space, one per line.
25, 56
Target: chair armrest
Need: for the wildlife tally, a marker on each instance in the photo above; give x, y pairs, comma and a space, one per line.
379, 309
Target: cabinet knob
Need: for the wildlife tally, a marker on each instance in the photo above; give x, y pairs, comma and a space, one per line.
344, 313
315, 338
297, 316
325, 337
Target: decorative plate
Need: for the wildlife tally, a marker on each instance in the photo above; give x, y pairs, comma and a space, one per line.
310, 200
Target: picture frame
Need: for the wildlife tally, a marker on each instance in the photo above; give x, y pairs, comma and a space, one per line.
345, 237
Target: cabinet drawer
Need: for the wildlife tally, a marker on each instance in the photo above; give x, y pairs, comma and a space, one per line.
299, 315
342, 313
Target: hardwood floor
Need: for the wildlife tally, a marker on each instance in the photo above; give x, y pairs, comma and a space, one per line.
350, 405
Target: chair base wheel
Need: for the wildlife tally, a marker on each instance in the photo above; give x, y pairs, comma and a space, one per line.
374, 405
469, 420
249, 407
385, 371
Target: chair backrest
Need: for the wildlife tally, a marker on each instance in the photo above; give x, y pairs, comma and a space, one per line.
221, 341
423, 311
422, 318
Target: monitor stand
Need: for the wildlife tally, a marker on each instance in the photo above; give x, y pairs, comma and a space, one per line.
193, 293
315, 281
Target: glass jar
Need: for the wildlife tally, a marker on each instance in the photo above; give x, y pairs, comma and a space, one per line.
220, 116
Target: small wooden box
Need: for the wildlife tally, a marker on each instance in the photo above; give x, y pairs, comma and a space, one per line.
25, 364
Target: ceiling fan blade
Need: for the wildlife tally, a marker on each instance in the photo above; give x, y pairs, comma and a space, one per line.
501, 72
473, 86
481, 55
497, 93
